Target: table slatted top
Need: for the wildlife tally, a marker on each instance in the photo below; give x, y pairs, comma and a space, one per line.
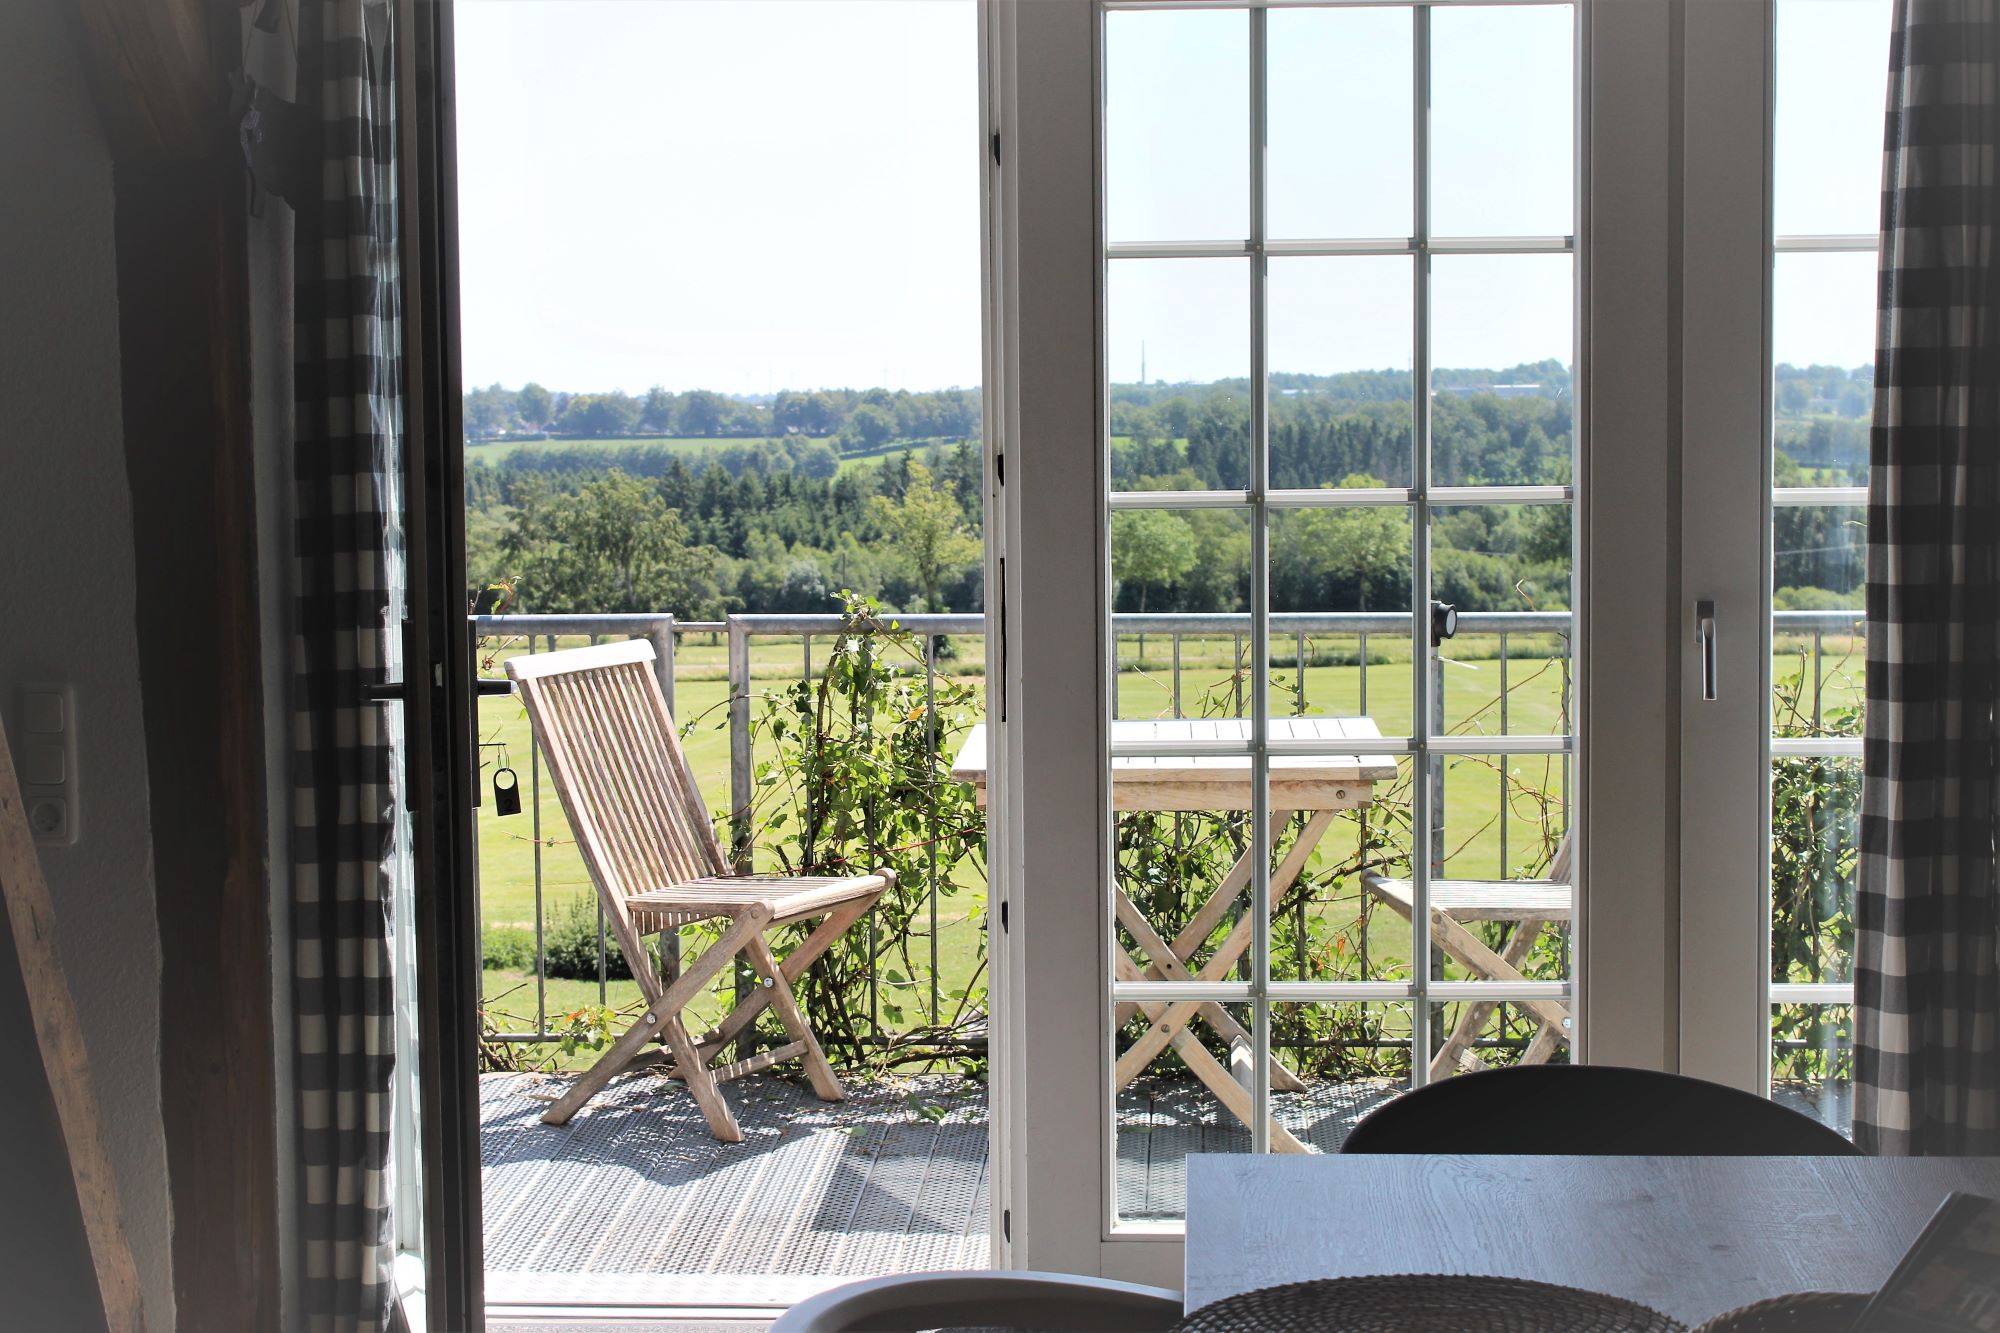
1341, 778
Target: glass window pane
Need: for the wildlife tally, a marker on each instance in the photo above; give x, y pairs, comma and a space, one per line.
1513, 562
1340, 635
1166, 1110
1502, 345
1502, 120
1340, 340
1823, 322
1812, 1061
1167, 563
1339, 122
1504, 817
1818, 657
1184, 324
1339, 878
1815, 847
1832, 69
1337, 1062
1470, 1035
1177, 125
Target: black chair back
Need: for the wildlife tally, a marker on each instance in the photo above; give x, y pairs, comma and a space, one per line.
1591, 1110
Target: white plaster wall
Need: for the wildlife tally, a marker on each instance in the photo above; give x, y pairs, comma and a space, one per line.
66, 614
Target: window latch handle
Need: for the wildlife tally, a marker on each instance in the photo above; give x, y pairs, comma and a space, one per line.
1704, 637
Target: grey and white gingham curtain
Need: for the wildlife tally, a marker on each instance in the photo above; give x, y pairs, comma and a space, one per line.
348, 443
1927, 1059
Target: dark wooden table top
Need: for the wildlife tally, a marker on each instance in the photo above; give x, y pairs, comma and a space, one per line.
1688, 1236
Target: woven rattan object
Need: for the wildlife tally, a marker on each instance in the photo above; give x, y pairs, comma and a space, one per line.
1804, 1312
1430, 1303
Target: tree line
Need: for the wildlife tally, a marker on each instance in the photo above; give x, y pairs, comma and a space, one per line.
853, 419
780, 524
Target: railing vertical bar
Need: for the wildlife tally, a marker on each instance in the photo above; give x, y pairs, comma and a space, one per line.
1818, 676
663, 662
665, 648
1363, 709
1236, 676
742, 779
535, 828
1177, 673
1506, 808
1301, 671
1117, 671
930, 789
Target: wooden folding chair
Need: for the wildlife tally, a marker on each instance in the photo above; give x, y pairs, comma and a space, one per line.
1530, 904
645, 835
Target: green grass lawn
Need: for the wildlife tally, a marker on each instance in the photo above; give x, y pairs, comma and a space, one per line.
1475, 812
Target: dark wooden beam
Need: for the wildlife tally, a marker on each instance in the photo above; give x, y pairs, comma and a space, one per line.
184, 334
153, 69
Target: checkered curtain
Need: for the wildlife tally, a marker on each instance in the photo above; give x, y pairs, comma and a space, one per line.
1927, 1057
348, 427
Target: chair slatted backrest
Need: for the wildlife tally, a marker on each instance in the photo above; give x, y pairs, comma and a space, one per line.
618, 767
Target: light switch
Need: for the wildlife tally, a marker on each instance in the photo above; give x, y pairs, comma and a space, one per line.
42, 734
42, 712
41, 763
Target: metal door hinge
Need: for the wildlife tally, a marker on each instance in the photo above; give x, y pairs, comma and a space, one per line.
996, 148
1007, 1224
1003, 916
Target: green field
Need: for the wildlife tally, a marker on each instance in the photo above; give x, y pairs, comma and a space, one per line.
695, 447
1474, 811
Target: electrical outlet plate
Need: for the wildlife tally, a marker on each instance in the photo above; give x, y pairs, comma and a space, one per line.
42, 735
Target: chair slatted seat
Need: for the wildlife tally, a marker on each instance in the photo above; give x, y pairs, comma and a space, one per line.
1529, 904
646, 839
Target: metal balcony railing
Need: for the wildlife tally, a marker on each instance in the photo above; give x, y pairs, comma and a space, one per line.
1293, 630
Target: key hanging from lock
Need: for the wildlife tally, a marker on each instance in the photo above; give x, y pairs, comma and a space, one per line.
506, 790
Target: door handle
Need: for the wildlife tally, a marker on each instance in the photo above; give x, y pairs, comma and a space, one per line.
1704, 637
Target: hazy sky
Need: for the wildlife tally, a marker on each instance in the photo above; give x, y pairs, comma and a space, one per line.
749, 195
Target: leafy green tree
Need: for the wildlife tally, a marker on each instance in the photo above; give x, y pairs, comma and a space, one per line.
1150, 548
1326, 557
872, 426
927, 531
612, 545
534, 405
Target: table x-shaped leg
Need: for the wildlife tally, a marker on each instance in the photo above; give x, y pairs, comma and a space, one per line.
1169, 963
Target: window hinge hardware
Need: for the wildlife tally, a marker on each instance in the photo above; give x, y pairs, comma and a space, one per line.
1000, 468
1003, 916
996, 148
1007, 1224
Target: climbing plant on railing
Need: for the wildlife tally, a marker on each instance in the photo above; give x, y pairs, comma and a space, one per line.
1815, 809
858, 777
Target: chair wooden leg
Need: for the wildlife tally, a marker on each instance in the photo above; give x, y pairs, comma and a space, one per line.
701, 1082
1473, 1016
825, 1086
646, 1028
796, 962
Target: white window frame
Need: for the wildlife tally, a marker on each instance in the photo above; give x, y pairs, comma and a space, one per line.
1050, 807
1731, 251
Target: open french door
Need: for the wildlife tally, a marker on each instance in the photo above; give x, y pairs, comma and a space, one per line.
1255, 331
435, 1137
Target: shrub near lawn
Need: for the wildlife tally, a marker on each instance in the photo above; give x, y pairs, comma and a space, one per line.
570, 945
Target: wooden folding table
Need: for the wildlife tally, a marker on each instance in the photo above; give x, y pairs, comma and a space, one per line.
1338, 775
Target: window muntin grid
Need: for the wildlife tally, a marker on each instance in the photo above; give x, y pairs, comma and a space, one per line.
1260, 499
